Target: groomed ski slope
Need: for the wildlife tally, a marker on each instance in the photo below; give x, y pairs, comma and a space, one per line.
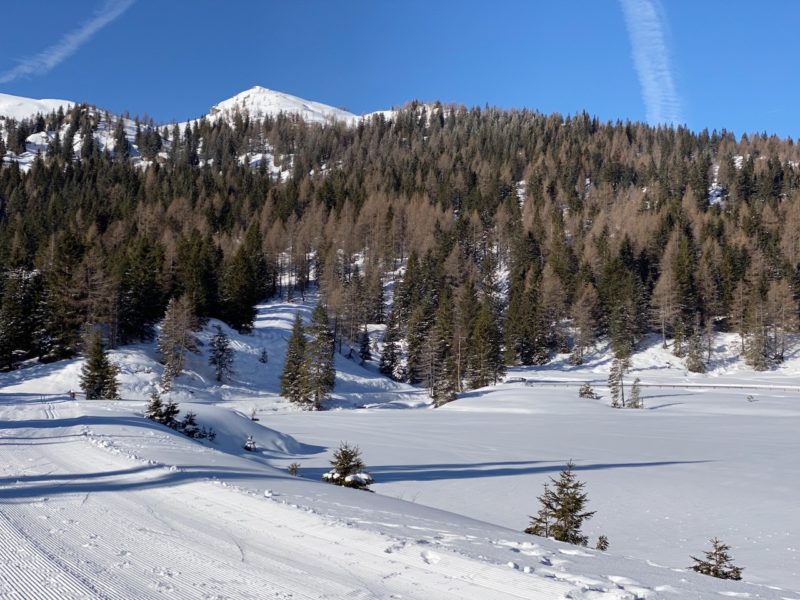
97, 502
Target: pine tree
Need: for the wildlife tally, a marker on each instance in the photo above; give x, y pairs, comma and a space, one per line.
98, 373
562, 514
169, 414
363, 346
188, 425
584, 321
243, 283
141, 298
221, 355
318, 364
443, 380
616, 381
176, 338
348, 468
635, 400
540, 524
391, 348
196, 273
485, 364
18, 300
419, 326
694, 350
464, 328
293, 383
155, 408
121, 145
717, 563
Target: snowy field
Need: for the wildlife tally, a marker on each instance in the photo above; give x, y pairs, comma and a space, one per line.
96, 502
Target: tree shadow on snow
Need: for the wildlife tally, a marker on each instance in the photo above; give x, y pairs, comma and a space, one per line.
436, 472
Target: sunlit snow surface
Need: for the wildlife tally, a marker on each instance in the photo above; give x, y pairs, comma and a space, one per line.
95, 501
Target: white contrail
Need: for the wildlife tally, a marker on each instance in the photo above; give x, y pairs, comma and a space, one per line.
651, 59
49, 58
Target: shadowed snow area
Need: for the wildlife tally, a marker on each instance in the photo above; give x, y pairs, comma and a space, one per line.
98, 502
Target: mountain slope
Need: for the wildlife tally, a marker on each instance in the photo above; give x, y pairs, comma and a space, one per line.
259, 102
17, 107
471, 470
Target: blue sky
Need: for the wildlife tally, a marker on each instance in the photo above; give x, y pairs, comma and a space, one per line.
707, 63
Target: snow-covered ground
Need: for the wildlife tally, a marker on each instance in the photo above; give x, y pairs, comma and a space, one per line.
259, 102
95, 501
17, 107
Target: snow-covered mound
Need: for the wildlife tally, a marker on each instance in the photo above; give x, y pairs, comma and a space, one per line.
259, 102
17, 107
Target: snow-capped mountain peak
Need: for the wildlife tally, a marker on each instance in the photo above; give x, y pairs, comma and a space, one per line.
18, 108
260, 102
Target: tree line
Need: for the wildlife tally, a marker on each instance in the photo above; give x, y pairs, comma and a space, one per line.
504, 236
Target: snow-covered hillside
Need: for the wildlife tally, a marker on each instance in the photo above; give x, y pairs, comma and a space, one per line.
259, 102
17, 107
98, 502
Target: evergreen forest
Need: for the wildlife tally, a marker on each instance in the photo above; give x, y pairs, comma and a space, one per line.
500, 237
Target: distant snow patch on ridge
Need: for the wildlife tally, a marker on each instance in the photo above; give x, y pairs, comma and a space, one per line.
18, 108
259, 102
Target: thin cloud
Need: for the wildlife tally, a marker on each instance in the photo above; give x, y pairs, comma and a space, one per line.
51, 57
651, 59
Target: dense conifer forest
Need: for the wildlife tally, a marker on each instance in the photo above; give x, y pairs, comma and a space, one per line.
504, 236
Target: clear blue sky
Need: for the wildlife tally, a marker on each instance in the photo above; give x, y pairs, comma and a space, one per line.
732, 63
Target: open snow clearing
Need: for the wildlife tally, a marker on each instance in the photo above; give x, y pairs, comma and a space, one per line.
79, 521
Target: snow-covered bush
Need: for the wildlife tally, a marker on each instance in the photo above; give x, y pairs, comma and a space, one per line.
348, 468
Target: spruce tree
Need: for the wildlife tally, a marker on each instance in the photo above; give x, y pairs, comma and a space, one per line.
293, 381
616, 382
155, 408
319, 369
188, 425
717, 563
221, 355
485, 364
241, 287
635, 400
176, 338
540, 524
443, 380
562, 513
391, 348
695, 350
464, 328
348, 468
363, 346
141, 298
98, 373
169, 414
